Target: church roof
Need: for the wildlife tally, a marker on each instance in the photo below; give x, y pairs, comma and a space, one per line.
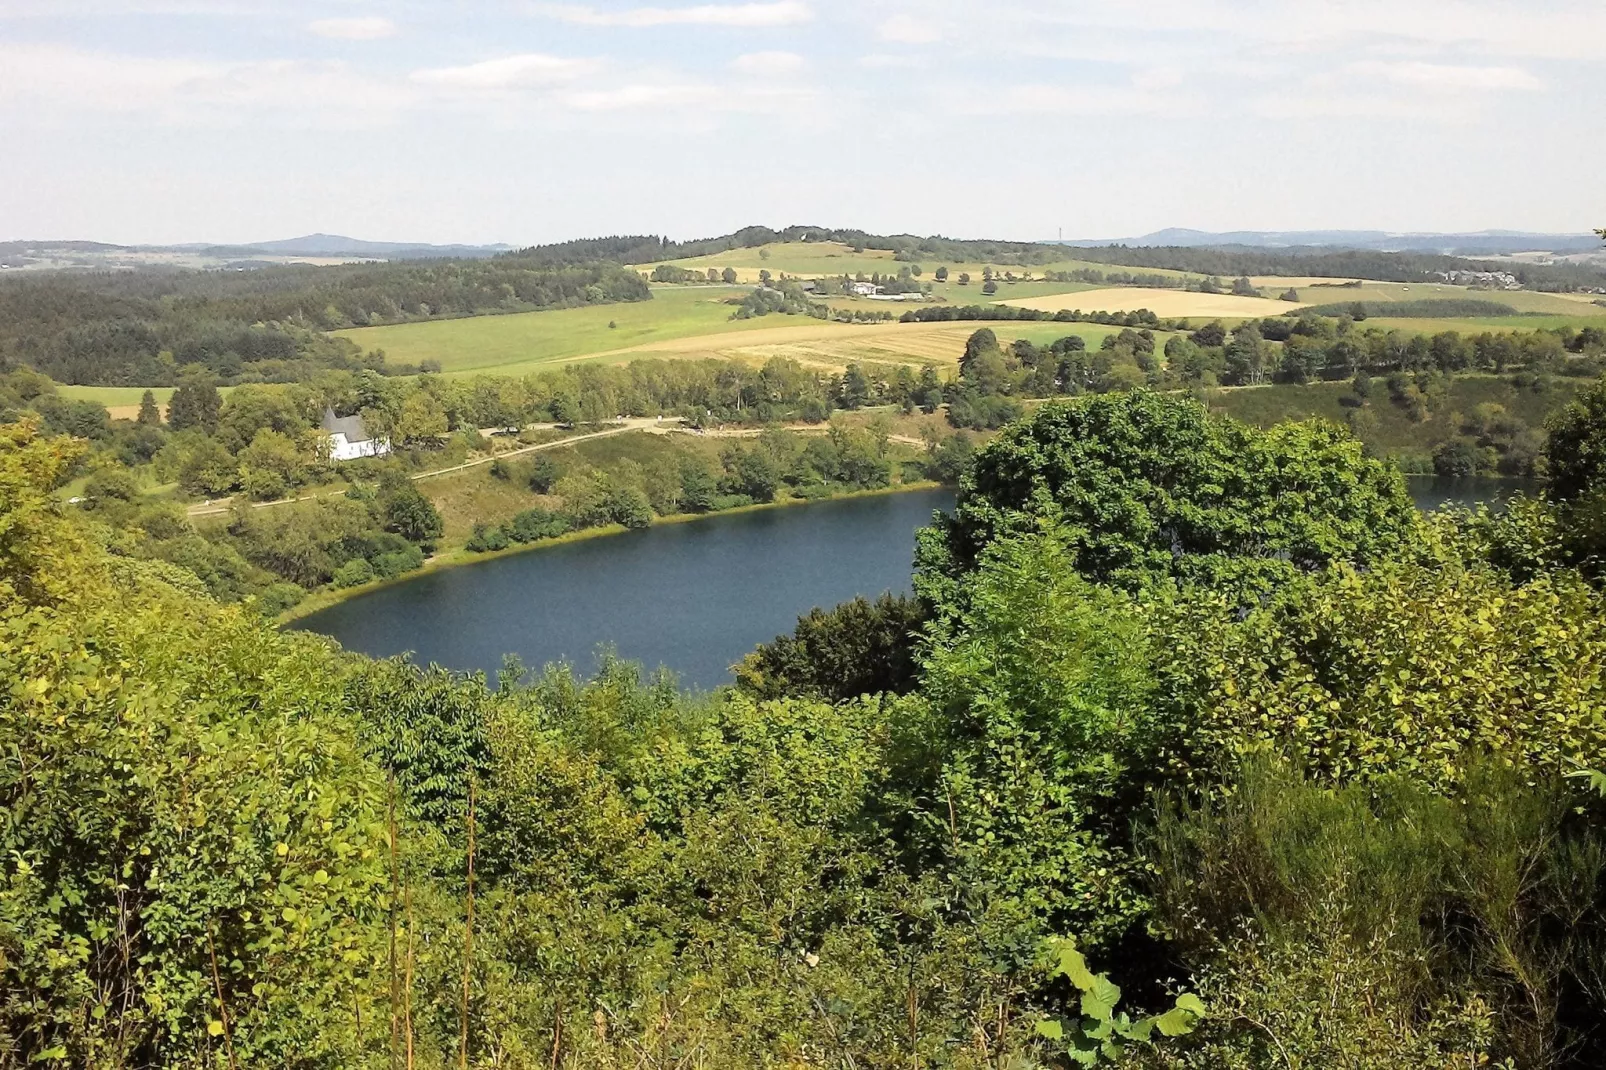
349, 426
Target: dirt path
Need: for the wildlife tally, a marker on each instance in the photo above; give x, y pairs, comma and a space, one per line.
802, 429
646, 423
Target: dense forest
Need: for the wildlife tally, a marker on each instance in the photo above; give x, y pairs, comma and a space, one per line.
148, 328
1326, 262
1196, 747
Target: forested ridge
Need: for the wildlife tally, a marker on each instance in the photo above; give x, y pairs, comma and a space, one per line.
1196, 747
147, 328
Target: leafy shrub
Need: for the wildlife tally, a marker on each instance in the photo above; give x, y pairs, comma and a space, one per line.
534, 524
278, 597
1455, 928
353, 573
858, 648
487, 538
1404, 670
389, 566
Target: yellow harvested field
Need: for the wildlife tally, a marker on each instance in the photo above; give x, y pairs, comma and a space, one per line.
1283, 282
1160, 302
1583, 299
834, 346
829, 345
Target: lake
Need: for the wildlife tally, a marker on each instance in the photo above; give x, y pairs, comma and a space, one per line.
695, 597
1432, 492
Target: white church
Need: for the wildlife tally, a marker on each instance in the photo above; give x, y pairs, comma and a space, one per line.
348, 440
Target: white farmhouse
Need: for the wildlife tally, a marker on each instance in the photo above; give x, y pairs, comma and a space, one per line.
348, 440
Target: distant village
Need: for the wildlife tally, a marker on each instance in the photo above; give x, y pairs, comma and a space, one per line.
1480, 280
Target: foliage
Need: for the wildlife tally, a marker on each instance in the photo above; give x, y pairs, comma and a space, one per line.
858, 648
1406, 669
1149, 486
36, 541
408, 513
1096, 1031
1576, 450
1030, 737
1433, 928
189, 786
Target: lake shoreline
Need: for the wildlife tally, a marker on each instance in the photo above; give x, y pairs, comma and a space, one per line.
320, 600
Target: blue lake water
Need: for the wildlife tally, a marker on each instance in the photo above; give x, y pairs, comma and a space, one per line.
695, 597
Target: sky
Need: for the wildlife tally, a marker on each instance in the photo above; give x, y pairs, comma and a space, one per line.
156, 121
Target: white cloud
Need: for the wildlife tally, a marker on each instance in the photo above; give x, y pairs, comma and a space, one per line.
46, 84
55, 77
779, 13
1448, 77
1048, 99
524, 71
882, 60
909, 30
769, 64
641, 97
363, 29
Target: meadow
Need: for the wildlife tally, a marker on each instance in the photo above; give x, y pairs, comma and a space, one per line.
1523, 301
533, 339
816, 259
122, 402
683, 321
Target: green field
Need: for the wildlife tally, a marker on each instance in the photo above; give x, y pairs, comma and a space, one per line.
1477, 324
123, 401
530, 340
1520, 300
684, 321
814, 259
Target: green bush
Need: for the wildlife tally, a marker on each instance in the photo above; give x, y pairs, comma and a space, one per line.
1431, 930
487, 538
353, 573
389, 566
534, 524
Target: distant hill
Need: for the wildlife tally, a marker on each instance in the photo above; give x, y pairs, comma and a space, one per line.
90, 255
339, 245
1481, 243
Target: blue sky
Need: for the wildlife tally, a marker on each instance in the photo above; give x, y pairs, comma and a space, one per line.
195, 120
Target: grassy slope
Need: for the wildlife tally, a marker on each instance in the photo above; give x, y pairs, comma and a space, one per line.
1393, 432
532, 339
687, 321
474, 496
814, 259
1521, 300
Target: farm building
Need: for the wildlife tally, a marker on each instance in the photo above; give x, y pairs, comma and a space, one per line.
348, 440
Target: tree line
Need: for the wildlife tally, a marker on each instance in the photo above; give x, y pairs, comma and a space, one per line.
1326, 262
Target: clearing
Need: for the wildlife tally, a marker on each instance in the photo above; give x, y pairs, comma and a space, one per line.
683, 321
815, 259
531, 339
1179, 303
122, 402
